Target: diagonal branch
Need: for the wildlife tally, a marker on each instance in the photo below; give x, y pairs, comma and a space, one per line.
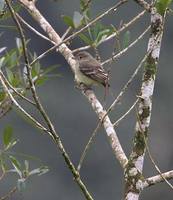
133, 178
53, 135
9, 194
30, 6
144, 4
124, 26
66, 52
52, 132
109, 128
116, 56
158, 179
114, 103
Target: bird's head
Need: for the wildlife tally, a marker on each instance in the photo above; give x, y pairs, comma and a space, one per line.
82, 55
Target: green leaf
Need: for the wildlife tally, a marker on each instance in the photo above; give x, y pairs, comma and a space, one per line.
16, 164
2, 59
126, 39
39, 171
82, 4
49, 69
19, 45
11, 58
101, 36
162, 5
41, 80
16, 81
7, 135
2, 96
68, 20
86, 39
7, 13
77, 19
10, 75
3, 164
13, 143
26, 165
96, 29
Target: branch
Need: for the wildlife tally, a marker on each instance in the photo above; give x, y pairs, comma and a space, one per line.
51, 130
66, 52
149, 153
114, 57
126, 25
144, 4
108, 126
115, 124
53, 135
33, 29
30, 6
125, 87
18, 93
118, 98
158, 179
9, 194
133, 177
5, 106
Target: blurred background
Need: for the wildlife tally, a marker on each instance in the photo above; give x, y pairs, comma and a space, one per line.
75, 120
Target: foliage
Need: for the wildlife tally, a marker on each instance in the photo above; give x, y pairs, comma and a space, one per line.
10, 163
162, 5
16, 72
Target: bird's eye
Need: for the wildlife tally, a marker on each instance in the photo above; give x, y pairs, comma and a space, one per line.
80, 57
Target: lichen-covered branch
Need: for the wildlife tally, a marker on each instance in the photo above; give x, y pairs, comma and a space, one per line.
109, 128
30, 6
66, 52
5, 106
133, 173
144, 4
53, 135
158, 179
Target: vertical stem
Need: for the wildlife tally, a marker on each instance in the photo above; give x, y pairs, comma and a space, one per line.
133, 173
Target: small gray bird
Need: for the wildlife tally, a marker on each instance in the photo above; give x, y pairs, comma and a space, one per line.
90, 72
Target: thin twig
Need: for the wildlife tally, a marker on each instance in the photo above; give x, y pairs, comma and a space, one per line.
66, 33
144, 4
28, 67
2, 175
5, 106
52, 131
9, 194
123, 90
114, 57
16, 92
98, 108
149, 153
55, 138
118, 98
80, 31
88, 145
126, 25
108, 126
7, 91
33, 29
125, 114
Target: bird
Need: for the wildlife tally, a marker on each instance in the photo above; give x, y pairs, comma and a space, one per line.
90, 71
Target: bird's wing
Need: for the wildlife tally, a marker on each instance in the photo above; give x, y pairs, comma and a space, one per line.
94, 71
